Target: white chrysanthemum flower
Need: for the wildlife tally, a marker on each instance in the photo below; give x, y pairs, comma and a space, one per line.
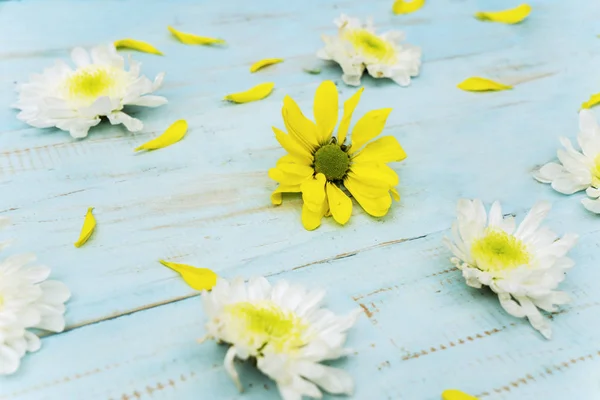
74, 99
522, 266
285, 329
577, 170
27, 300
356, 47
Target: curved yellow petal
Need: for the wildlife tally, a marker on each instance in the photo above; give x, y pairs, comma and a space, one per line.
339, 204
593, 100
263, 63
302, 129
257, 92
197, 278
349, 106
385, 149
188, 38
313, 192
311, 220
89, 224
325, 109
369, 126
477, 84
374, 201
172, 135
137, 45
395, 194
276, 196
453, 394
510, 16
293, 147
407, 6
290, 174
374, 174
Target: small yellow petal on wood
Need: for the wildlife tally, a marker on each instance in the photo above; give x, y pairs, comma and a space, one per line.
511, 16
197, 278
89, 223
188, 38
477, 84
594, 99
258, 92
454, 394
263, 63
138, 45
407, 6
173, 134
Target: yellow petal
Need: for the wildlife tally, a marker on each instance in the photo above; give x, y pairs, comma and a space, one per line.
510, 16
188, 38
276, 196
311, 220
373, 200
263, 63
197, 278
89, 223
594, 99
257, 92
302, 129
407, 6
290, 174
137, 45
395, 194
349, 106
339, 204
325, 109
313, 193
454, 394
293, 147
374, 174
385, 149
477, 84
369, 126
173, 134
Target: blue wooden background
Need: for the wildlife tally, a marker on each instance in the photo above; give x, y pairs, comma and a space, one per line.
132, 323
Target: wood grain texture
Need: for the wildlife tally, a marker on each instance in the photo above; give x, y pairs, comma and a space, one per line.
132, 323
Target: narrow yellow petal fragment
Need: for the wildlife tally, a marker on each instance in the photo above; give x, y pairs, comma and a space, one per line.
137, 45
594, 99
197, 278
263, 63
407, 7
173, 134
89, 223
258, 92
511, 16
476, 84
454, 394
188, 38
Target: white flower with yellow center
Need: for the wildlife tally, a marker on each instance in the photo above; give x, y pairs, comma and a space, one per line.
285, 329
357, 46
74, 99
523, 265
577, 170
27, 301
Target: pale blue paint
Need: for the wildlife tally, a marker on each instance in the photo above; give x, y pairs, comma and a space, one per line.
205, 201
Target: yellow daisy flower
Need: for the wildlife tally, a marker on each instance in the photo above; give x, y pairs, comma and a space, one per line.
322, 167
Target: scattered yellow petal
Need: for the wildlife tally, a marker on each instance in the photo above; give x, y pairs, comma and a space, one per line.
173, 134
263, 63
137, 45
188, 38
594, 99
454, 394
511, 16
476, 84
197, 278
89, 223
258, 92
407, 7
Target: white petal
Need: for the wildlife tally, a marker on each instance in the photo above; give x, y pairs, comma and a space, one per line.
100, 107
593, 192
588, 123
511, 306
9, 360
33, 342
230, 368
592, 205
80, 57
549, 172
495, 216
332, 380
132, 124
537, 321
569, 184
148, 101
532, 221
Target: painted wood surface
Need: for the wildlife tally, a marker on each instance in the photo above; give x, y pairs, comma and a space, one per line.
132, 323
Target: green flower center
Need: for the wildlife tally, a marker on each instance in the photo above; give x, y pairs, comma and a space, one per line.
497, 251
332, 161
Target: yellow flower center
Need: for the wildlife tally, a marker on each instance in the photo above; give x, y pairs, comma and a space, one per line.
332, 161
596, 172
264, 324
91, 82
371, 45
497, 251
